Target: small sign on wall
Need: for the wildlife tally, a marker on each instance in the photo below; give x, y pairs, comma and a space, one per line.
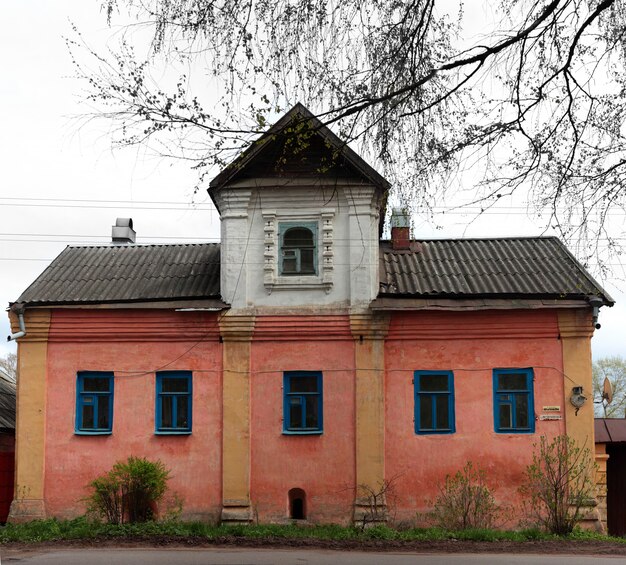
550, 417
551, 408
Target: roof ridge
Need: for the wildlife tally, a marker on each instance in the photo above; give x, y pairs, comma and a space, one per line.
509, 238
135, 245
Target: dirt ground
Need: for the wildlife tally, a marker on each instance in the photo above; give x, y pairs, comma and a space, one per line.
443, 546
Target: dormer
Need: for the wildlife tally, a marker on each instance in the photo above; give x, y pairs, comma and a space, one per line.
300, 219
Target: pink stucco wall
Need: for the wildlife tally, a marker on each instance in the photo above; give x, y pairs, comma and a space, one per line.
321, 465
73, 460
471, 345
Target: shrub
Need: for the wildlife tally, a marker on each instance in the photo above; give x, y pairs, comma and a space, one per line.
558, 485
129, 491
373, 501
465, 501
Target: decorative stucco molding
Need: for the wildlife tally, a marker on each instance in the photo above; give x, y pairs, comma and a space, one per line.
272, 280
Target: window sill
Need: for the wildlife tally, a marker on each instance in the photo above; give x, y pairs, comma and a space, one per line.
298, 283
434, 432
303, 433
93, 433
515, 432
172, 433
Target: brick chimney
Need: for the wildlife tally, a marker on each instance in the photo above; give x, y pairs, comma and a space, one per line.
400, 230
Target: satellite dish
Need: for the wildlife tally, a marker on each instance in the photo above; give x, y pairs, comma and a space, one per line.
607, 390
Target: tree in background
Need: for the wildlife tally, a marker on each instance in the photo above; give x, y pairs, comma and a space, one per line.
8, 366
613, 368
537, 101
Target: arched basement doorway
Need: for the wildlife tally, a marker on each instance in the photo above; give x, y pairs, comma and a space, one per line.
297, 504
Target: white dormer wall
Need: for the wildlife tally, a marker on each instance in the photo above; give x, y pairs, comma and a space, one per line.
346, 214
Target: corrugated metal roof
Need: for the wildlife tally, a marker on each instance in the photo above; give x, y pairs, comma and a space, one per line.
608, 430
455, 268
127, 273
512, 267
7, 404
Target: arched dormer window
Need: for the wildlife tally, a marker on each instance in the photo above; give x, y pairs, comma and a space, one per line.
298, 248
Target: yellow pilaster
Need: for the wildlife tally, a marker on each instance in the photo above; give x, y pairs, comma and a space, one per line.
575, 330
236, 331
32, 350
369, 331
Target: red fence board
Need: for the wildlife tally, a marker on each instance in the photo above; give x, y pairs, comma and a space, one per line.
7, 465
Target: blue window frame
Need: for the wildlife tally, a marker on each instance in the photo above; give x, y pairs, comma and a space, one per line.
173, 402
302, 402
434, 402
513, 402
298, 248
94, 403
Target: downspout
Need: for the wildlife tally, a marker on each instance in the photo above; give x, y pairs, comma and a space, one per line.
19, 310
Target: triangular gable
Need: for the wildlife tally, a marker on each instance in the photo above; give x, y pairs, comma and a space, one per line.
323, 153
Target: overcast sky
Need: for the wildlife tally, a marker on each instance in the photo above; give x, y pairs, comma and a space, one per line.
61, 184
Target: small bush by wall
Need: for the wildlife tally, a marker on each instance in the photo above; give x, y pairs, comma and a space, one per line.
129, 491
559, 484
465, 501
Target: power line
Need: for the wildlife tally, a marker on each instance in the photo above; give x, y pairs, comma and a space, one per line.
586, 265
106, 237
190, 208
108, 201
456, 210
209, 205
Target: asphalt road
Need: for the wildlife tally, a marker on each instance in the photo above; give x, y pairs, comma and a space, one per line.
281, 557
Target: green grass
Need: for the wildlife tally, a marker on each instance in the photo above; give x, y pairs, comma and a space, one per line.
85, 529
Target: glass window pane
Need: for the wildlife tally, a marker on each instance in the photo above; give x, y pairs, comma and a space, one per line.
295, 413
443, 415
506, 420
88, 417
289, 265
174, 384
167, 412
521, 411
96, 384
426, 412
103, 411
312, 412
514, 381
303, 384
433, 383
306, 261
182, 413
298, 237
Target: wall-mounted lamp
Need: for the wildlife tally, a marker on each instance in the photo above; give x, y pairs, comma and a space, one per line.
595, 302
578, 398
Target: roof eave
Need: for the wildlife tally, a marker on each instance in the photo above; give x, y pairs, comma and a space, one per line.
209, 302
465, 302
604, 295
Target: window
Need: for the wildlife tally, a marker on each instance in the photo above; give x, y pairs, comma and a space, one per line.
302, 403
298, 248
513, 400
173, 402
434, 402
94, 403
